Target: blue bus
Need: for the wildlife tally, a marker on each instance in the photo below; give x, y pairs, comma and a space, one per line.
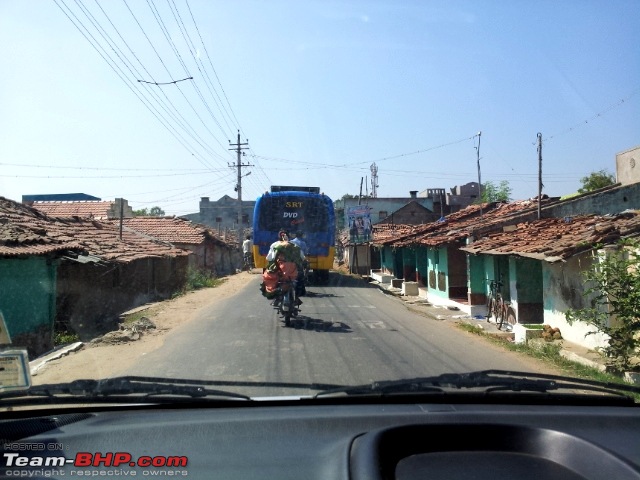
296, 209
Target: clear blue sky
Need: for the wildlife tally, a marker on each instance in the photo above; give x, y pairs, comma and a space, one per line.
321, 90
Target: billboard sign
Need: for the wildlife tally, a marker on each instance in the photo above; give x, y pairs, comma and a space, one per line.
359, 218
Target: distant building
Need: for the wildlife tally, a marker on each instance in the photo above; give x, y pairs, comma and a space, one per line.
628, 166
439, 199
223, 213
462, 196
99, 210
436, 201
59, 197
380, 207
411, 214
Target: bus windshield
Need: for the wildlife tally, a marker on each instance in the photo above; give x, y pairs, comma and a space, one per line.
293, 212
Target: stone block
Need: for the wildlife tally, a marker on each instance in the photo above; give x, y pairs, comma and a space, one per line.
410, 288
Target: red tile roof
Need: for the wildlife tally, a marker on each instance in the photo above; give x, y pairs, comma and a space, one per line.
98, 210
169, 229
556, 239
23, 232
458, 225
176, 230
27, 231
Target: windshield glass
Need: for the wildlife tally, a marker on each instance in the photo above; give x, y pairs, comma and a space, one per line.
258, 199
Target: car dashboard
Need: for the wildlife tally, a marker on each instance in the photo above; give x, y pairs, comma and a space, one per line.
328, 440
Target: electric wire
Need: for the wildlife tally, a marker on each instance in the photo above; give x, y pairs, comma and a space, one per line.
83, 29
190, 45
162, 62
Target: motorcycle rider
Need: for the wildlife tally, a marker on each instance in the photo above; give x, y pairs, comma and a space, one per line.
299, 240
282, 251
282, 243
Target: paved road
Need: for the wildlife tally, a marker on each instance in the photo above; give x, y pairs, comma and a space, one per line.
355, 334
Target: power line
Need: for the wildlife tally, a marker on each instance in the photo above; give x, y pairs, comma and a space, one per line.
190, 46
168, 38
102, 169
166, 83
82, 28
211, 64
594, 117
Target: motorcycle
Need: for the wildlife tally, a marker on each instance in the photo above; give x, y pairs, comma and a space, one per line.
286, 300
305, 277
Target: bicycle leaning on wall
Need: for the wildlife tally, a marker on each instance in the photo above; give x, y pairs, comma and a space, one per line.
498, 308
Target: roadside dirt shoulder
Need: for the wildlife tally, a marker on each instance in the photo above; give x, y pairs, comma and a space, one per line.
109, 360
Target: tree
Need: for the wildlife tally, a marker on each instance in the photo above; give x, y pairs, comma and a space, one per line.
496, 193
347, 196
613, 295
156, 212
596, 180
145, 212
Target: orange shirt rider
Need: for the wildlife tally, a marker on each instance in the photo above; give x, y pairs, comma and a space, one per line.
282, 253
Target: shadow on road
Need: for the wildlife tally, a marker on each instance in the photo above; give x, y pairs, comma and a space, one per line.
321, 295
303, 322
337, 279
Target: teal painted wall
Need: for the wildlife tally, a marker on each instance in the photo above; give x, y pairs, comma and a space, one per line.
409, 262
476, 274
422, 256
489, 273
387, 259
529, 282
27, 295
438, 268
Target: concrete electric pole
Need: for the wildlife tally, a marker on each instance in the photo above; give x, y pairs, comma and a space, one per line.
238, 147
479, 179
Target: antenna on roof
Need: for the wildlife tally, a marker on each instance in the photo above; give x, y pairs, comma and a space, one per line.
374, 180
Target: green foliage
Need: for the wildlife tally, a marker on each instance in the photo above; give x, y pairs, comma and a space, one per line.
475, 329
197, 279
145, 212
613, 293
496, 193
64, 338
549, 353
596, 180
156, 212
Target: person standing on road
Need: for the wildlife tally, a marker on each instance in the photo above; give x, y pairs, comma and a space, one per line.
246, 250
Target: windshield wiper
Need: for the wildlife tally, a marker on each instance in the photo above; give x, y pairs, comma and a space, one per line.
487, 381
153, 388
125, 386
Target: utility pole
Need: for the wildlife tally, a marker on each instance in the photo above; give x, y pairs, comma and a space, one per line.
238, 147
479, 180
121, 213
539, 175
